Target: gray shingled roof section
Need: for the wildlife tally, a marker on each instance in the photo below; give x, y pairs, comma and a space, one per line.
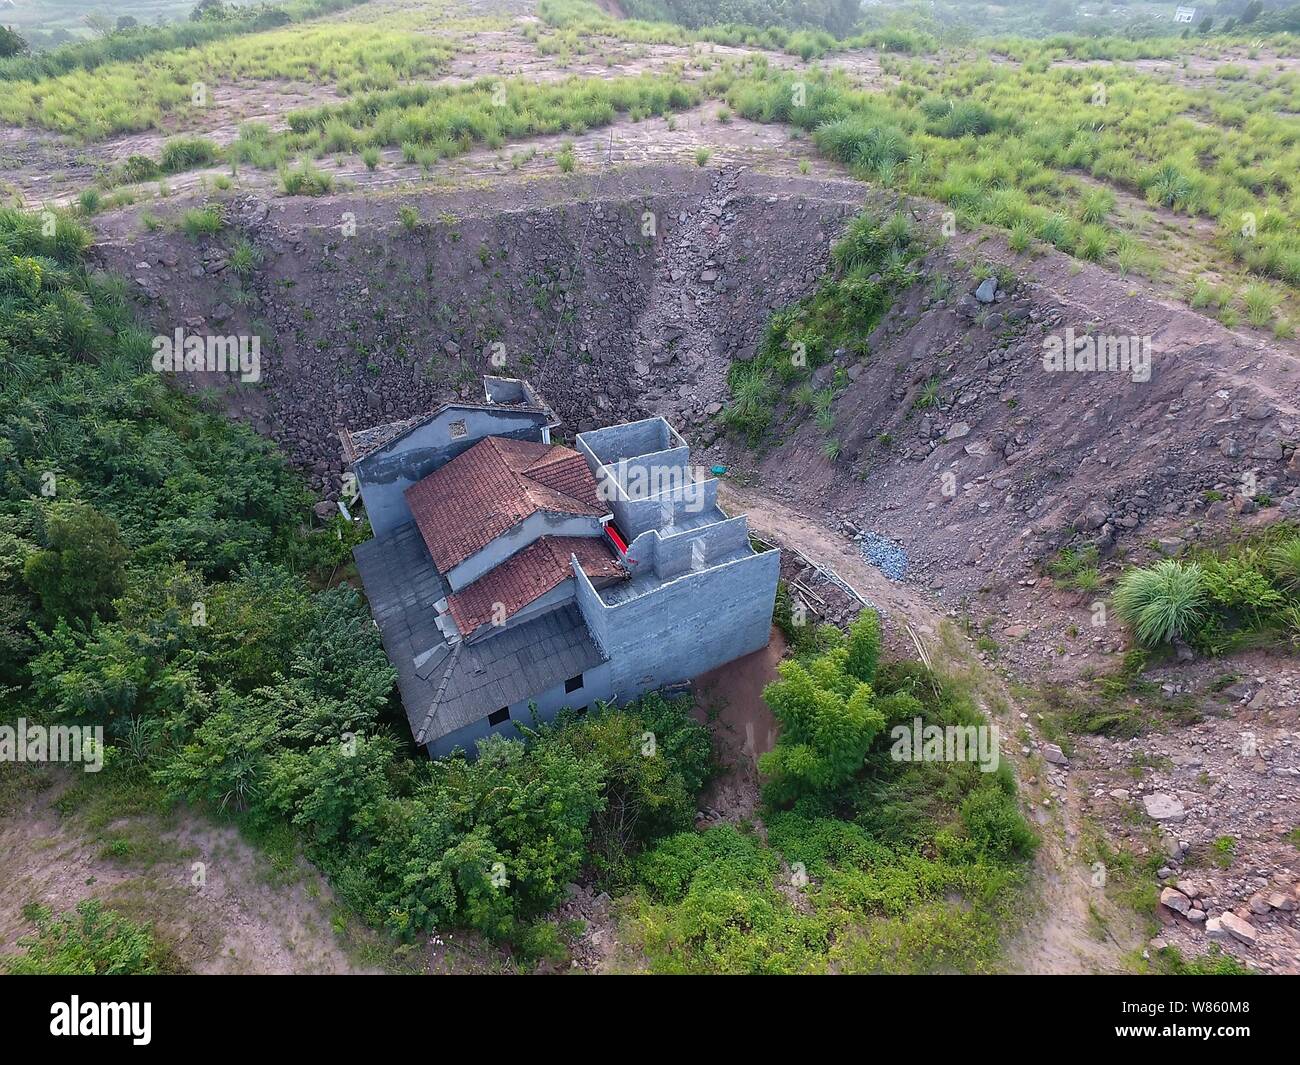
462, 684
514, 664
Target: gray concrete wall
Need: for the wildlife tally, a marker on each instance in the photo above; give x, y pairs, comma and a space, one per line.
384, 476
647, 476
671, 555
629, 439
595, 688
690, 625
542, 523
638, 516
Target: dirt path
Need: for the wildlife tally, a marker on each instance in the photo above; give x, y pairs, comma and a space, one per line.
774, 520
1073, 927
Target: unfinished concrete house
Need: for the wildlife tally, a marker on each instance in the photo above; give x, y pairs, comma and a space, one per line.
511, 576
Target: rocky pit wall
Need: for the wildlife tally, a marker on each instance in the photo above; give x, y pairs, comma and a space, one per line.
629, 293
617, 296
1012, 461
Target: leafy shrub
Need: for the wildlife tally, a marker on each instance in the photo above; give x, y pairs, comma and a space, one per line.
827, 715
92, 941
995, 825
305, 180
244, 257
202, 221
1261, 304
409, 217
80, 567
185, 153
137, 168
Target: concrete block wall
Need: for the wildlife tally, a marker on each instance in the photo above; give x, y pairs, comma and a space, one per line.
646, 476
672, 554
629, 440
595, 688
685, 627
688, 500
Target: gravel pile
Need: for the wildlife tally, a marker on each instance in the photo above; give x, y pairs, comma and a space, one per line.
885, 555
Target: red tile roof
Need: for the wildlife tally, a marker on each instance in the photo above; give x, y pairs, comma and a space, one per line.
464, 505
529, 574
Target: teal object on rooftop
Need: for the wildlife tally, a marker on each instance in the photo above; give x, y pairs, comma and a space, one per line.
718, 471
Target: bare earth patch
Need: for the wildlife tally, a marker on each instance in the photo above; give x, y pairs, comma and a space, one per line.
245, 916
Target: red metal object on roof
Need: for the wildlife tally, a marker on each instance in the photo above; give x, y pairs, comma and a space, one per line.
612, 532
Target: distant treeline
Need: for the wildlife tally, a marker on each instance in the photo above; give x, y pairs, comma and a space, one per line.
839, 17
212, 22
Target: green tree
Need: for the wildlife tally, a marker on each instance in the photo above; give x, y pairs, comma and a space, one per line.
864, 646
828, 719
81, 568
11, 43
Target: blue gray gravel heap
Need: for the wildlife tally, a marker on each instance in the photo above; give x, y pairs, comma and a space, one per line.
885, 555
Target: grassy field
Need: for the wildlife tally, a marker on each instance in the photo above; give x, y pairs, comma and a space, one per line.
123, 97
1112, 150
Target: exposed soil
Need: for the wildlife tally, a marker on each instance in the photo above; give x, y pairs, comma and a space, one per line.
217, 902
729, 700
956, 445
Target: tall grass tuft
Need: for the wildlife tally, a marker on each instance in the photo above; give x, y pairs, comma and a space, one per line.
1162, 602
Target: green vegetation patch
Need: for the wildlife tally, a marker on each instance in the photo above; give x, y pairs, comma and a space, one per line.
890, 866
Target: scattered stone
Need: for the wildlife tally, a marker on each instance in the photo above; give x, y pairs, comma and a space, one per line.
885, 555
1163, 807
1229, 924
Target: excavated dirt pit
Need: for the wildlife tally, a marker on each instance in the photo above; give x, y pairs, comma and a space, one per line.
628, 290
623, 291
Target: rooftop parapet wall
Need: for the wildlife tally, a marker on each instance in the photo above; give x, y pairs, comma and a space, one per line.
685, 626
669, 555
652, 489
516, 392
691, 507
629, 440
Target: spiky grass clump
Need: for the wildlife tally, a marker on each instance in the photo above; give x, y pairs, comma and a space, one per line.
1284, 560
1161, 602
